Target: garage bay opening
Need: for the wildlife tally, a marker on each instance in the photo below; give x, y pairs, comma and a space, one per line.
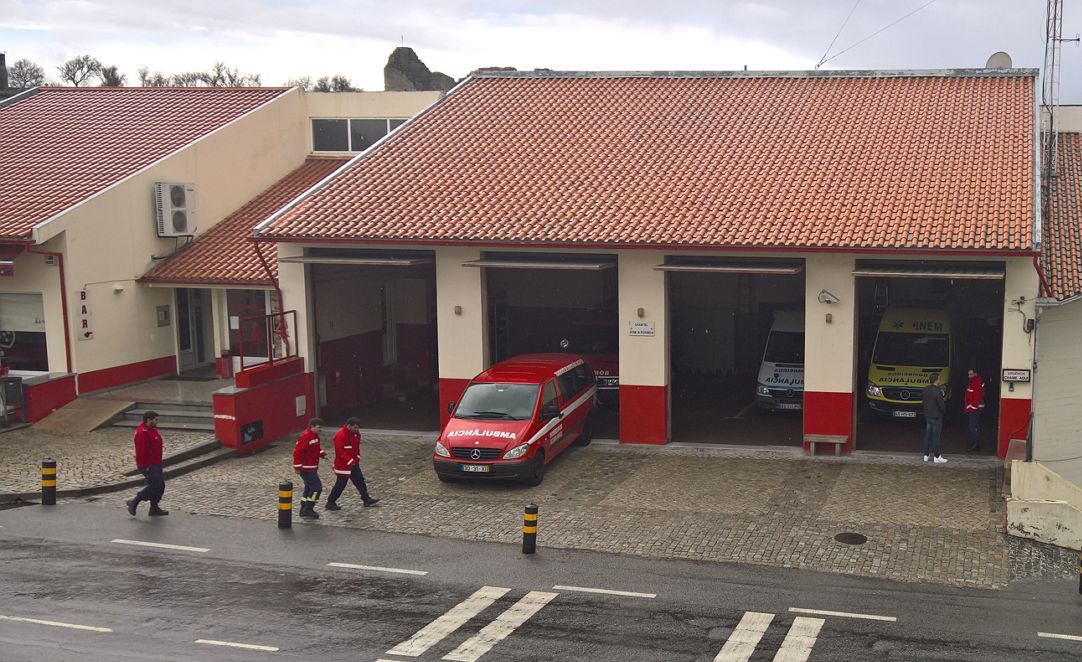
917, 318
375, 333
737, 350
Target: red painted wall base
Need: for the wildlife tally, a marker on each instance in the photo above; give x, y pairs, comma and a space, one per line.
644, 414
1013, 422
45, 397
273, 402
98, 380
450, 391
829, 413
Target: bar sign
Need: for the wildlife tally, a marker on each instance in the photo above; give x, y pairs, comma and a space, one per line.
86, 328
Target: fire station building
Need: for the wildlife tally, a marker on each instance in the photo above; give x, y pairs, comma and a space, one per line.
661, 224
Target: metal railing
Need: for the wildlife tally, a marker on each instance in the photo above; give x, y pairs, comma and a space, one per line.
265, 339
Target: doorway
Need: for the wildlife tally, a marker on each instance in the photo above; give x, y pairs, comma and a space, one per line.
193, 328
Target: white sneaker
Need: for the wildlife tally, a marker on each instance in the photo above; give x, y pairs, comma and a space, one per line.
940, 460
925, 458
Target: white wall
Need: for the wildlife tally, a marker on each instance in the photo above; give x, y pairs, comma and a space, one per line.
1057, 427
34, 276
462, 337
830, 346
644, 360
1021, 282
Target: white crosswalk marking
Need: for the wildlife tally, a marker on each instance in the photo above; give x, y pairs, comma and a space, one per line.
745, 637
432, 633
473, 648
798, 643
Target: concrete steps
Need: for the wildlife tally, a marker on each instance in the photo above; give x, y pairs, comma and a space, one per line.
171, 416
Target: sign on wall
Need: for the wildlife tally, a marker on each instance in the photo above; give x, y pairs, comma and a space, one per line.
86, 329
1015, 375
640, 328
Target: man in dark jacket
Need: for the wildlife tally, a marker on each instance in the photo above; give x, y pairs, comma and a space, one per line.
148, 458
934, 409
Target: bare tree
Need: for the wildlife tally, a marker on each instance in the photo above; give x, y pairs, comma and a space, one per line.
221, 75
304, 82
152, 79
25, 74
79, 69
187, 79
110, 77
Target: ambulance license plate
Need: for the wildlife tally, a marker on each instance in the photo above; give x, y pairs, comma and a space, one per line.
905, 414
476, 468
788, 405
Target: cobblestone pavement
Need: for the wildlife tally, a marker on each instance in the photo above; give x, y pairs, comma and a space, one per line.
924, 523
83, 460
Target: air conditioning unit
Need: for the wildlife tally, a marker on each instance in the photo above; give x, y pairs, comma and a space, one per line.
175, 208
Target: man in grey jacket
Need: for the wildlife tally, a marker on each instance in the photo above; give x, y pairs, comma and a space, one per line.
934, 409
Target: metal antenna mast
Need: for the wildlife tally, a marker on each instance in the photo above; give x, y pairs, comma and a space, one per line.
1050, 88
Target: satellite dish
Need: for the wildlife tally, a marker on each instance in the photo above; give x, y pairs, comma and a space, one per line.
999, 60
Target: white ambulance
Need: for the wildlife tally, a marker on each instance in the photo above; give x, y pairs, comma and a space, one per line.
781, 373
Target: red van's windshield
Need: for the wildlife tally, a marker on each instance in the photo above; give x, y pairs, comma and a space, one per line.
498, 401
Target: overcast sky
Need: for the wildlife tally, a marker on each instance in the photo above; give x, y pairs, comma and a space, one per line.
282, 39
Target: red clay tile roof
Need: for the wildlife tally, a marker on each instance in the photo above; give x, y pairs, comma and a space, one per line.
861, 160
59, 146
1061, 245
225, 255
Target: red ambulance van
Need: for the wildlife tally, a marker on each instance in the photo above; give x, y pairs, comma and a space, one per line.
516, 417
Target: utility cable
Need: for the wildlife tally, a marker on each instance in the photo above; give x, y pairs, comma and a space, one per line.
837, 34
879, 31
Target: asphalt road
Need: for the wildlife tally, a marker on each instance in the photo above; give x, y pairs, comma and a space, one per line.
244, 582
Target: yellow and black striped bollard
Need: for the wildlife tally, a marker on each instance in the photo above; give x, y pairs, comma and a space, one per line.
529, 529
285, 505
48, 482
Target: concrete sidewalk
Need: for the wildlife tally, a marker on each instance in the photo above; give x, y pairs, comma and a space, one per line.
923, 522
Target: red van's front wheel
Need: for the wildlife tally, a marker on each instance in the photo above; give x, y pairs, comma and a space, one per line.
537, 471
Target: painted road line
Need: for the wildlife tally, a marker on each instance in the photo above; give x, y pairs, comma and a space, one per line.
473, 648
1053, 635
450, 621
742, 642
160, 545
72, 626
798, 642
376, 568
605, 591
233, 644
842, 614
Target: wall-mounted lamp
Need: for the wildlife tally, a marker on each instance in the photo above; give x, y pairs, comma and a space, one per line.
640, 312
458, 310
827, 297
117, 288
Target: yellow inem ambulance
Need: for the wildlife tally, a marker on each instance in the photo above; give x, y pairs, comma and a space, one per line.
911, 344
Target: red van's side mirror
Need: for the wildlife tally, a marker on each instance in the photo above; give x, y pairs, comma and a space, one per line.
450, 406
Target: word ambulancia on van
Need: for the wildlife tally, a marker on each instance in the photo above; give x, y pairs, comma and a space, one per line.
910, 345
781, 372
516, 417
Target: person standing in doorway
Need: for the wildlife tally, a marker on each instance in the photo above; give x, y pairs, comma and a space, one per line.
935, 407
347, 464
306, 456
148, 458
974, 406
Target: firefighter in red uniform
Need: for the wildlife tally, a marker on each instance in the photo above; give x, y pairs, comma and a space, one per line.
347, 464
306, 456
148, 458
974, 405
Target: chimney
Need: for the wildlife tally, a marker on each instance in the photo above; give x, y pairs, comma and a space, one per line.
3, 72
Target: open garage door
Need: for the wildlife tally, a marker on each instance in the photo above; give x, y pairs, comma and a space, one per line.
737, 350
375, 323
918, 318
554, 302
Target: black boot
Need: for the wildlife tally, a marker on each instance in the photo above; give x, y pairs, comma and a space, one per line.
132, 505
308, 510
155, 511
369, 501
332, 506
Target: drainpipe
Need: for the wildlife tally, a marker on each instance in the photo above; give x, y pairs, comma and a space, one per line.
281, 301
1045, 290
63, 301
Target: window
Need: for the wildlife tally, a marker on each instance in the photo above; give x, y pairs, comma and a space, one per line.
330, 135
498, 401
584, 377
22, 332
350, 135
548, 397
568, 387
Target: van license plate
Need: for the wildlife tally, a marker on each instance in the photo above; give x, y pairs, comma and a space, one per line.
476, 468
788, 405
905, 414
